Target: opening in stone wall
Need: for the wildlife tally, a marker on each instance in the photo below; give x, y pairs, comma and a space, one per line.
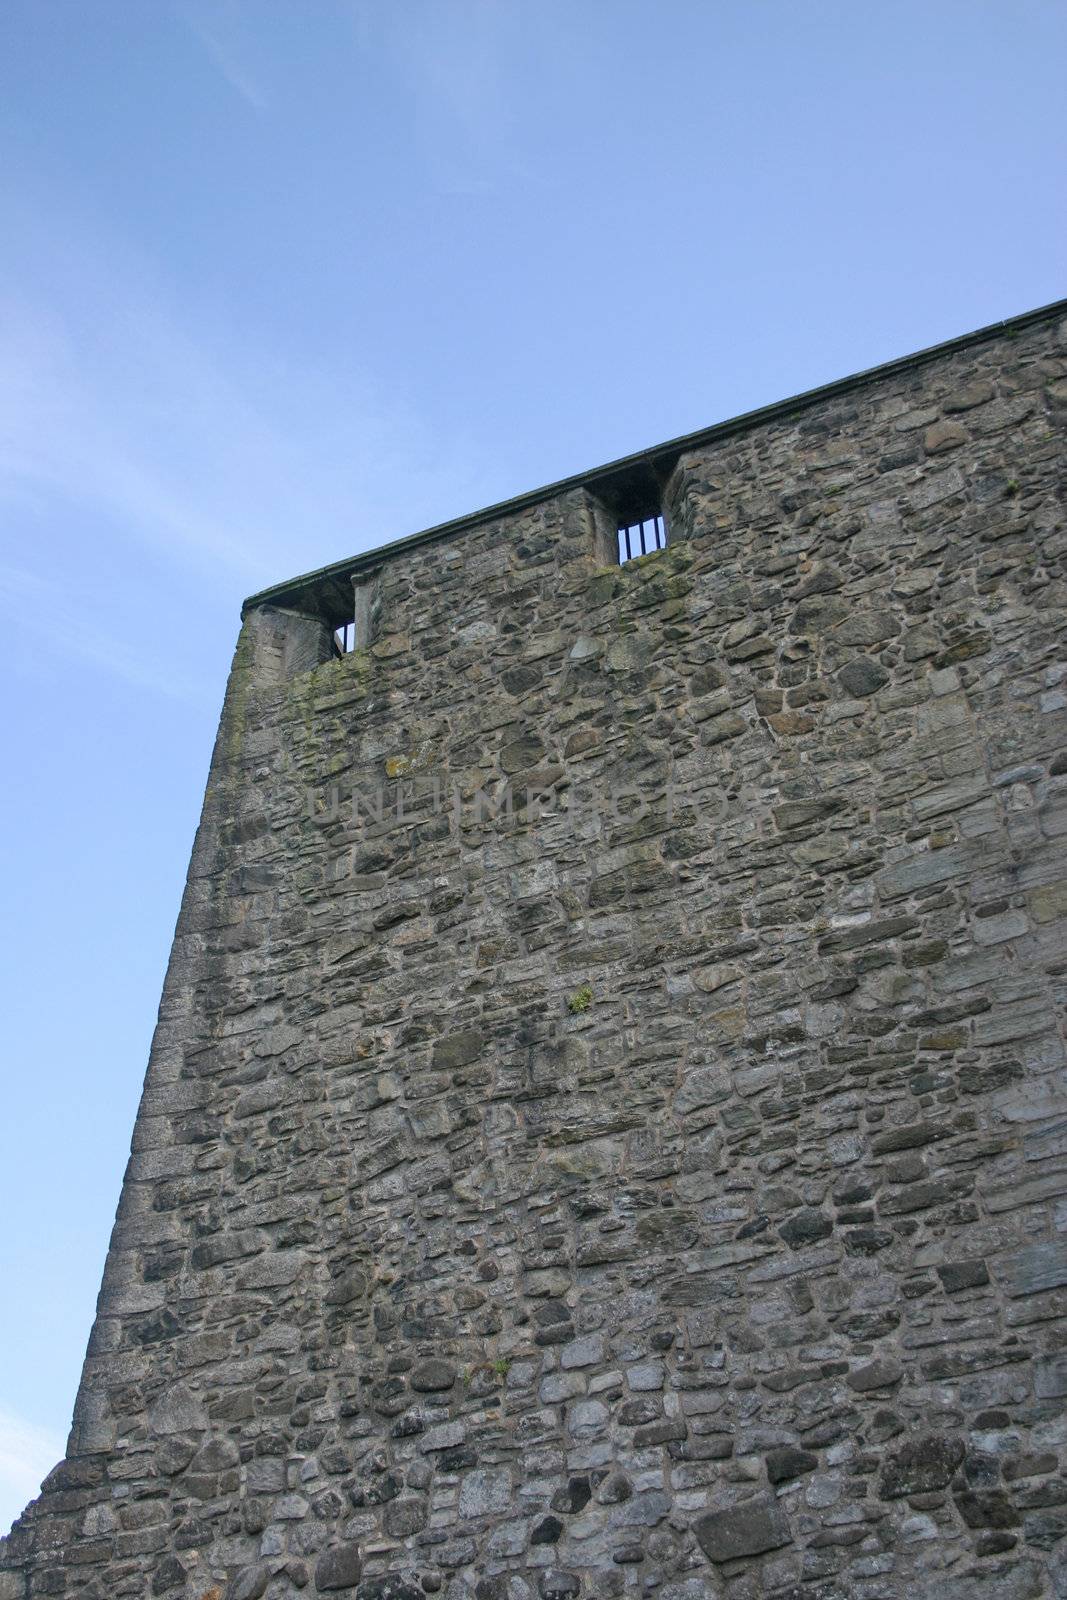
640, 538
357, 633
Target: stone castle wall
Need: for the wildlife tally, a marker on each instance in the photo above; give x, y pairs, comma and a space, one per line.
606, 1132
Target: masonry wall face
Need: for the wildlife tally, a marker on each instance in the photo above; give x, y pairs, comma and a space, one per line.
654, 1187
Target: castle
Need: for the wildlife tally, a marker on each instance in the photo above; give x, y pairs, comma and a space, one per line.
606, 1131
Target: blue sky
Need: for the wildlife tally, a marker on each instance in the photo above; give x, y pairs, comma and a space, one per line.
284, 279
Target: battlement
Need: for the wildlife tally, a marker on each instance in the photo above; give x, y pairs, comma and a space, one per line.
629, 489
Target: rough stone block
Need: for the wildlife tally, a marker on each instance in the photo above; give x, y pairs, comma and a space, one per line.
748, 1529
339, 1567
920, 1465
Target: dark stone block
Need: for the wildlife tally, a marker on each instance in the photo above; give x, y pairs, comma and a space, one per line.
911, 1135
339, 1567
458, 1049
644, 1410
867, 1241
880, 1374
574, 1497
789, 1462
747, 1529
862, 677
959, 1275
670, 1429
806, 1227
349, 1286
995, 1544
557, 1585
430, 1376
987, 1508
921, 1464
168, 1575
248, 1584
391, 1586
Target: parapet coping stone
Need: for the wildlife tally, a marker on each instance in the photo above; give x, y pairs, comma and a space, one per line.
658, 459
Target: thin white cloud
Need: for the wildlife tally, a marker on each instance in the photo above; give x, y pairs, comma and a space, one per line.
219, 455
456, 66
69, 430
28, 602
216, 32
27, 1455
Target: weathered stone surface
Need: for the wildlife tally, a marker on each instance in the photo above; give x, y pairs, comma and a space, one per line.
347, 1287
485, 1493
176, 1411
248, 1584
432, 1376
880, 1374
789, 1463
943, 436
637, 1084
1036, 1268
1010, 1580
921, 1464
806, 1227
174, 1454
1050, 1376
748, 1529
863, 677
338, 1567
390, 1587
987, 1508
960, 1275
457, 1049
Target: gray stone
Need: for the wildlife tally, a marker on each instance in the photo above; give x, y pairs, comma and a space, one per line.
1003, 1580
338, 1567
958, 1276
862, 677
1050, 1376
880, 1374
787, 1462
177, 1411
867, 628
216, 1455
248, 1584
445, 1436
174, 1454
748, 1529
920, 1465
390, 1586
458, 1049
585, 1352
272, 1270
402, 1518
433, 1376
347, 1287
805, 1228
485, 1493
1035, 1268
522, 753
705, 1087
169, 1574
